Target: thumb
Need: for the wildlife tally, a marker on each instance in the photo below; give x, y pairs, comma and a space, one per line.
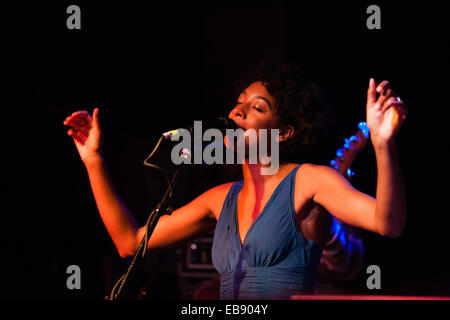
96, 117
371, 92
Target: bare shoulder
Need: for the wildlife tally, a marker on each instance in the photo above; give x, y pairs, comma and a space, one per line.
310, 171
310, 175
306, 172
315, 180
215, 197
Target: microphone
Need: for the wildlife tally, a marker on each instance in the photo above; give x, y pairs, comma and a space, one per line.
220, 123
194, 142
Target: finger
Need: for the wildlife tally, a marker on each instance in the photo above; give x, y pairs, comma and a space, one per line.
399, 111
371, 92
80, 120
382, 86
388, 103
72, 133
84, 121
401, 108
80, 115
384, 97
399, 114
85, 126
78, 126
81, 133
96, 117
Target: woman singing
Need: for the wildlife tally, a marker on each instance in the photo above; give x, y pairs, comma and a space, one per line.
266, 246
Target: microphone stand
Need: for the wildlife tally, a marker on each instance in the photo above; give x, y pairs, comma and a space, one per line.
119, 290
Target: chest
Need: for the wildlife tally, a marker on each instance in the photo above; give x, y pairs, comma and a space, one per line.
310, 220
248, 209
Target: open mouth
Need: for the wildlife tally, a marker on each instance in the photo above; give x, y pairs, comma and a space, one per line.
231, 124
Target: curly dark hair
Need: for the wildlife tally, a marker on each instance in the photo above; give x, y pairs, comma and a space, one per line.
298, 102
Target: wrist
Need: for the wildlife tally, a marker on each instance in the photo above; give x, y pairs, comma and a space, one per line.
383, 145
93, 159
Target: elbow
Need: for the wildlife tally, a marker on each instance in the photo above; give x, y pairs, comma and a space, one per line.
391, 233
392, 230
125, 254
127, 250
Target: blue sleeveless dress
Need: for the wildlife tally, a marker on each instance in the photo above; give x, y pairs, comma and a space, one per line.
275, 261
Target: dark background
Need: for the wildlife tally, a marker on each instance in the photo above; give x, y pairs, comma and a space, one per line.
154, 67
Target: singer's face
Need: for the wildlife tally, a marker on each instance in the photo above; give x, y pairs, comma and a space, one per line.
255, 108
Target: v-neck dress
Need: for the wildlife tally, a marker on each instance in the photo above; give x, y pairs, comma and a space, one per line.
275, 261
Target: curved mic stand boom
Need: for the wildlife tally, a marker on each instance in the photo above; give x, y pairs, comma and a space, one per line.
163, 207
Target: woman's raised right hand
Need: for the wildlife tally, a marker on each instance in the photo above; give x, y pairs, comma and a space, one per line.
86, 134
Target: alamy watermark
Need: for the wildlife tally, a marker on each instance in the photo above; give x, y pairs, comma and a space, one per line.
74, 279
74, 20
374, 280
252, 146
374, 20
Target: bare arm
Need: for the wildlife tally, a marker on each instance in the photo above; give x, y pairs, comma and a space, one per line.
386, 214
187, 222
118, 220
196, 218
390, 213
385, 115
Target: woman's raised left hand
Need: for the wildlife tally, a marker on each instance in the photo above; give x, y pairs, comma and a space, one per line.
385, 113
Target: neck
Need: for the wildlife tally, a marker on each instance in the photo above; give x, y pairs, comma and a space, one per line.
254, 179
255, 184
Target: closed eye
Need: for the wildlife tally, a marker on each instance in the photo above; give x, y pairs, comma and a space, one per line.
257, 109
